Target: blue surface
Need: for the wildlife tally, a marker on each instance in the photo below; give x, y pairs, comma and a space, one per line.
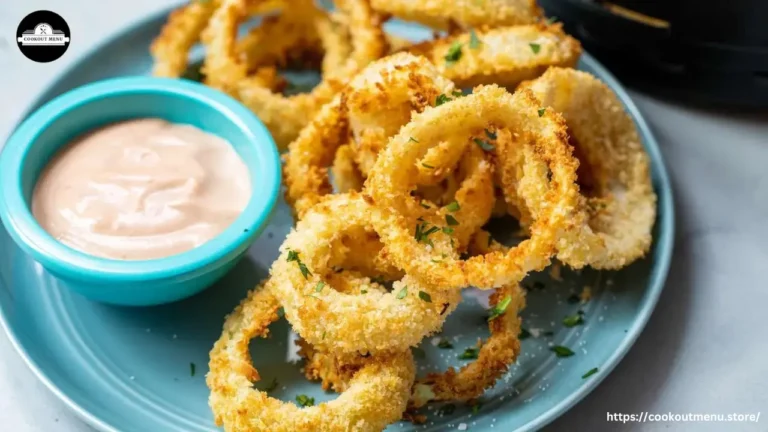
88, 107
128, 369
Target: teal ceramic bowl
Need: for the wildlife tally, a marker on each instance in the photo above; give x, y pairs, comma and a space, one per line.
136, 283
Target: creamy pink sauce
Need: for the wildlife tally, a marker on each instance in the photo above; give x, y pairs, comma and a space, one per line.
141, 189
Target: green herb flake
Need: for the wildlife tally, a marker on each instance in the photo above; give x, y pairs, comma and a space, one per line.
363, 291
450, 220
454, 53
524, 334
500, 308
441, 99
323, 337
423, 204
561, 351
474, 41
448, 230
589, 373
319, 286
476, 408
445, 344
294, 256
192, 368
485, 145
425, 296
426, 165
552, 20
413, 139
535, 47
542, 111
447, 409
305, 401
457, 93
452, 207
272, 386
402, 293
490, 135
469, 354
573, 320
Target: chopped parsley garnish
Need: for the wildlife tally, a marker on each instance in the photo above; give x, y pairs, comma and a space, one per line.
457, 93
192, 368
448, 230
294, 256
476, 407
542, 111
452, 207
474, 41
589, 373
469, 354
535, 47
573, 299
441, 99
561, 351
447, 409
319, 286
445, 344
552, 20
413, 139
524, 334
402, 293
445, 308
485, 145
423, 204
323, 337
272, 386
454, 53
363, 291
490, 135
426, 165
422, 233
305, 401
573, 320
500, 308
450, 220
425, 296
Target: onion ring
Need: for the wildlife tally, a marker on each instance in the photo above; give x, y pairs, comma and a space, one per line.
465, 13
376, 395
504, 56
391, 182
620, 201
285, 116
346, 175
349, 324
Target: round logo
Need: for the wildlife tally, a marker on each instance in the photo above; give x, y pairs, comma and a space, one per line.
43, 36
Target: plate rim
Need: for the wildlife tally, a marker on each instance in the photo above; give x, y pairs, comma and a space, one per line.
664, 244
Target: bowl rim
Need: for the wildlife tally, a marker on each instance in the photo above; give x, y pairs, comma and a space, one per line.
64, 260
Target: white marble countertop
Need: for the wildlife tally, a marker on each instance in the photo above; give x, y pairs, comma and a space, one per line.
704, 350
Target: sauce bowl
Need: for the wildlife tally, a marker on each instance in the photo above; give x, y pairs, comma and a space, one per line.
145, 282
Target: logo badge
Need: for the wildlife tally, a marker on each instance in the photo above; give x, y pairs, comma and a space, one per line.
43, 36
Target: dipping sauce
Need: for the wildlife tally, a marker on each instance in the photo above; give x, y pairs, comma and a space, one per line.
141, 189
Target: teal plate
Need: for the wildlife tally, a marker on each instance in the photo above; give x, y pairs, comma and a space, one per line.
143, 369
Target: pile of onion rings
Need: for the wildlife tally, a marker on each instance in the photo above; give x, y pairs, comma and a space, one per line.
393, 166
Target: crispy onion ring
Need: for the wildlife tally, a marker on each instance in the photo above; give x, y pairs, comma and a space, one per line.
349, 324
465, 13
346, 176
391, 182
620, 201
494, 357
376, 395
504, 56
285, 116
382, 98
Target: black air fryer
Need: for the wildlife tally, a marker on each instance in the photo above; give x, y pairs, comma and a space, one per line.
710, 50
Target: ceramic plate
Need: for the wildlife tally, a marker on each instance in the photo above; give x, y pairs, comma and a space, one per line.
129, 369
